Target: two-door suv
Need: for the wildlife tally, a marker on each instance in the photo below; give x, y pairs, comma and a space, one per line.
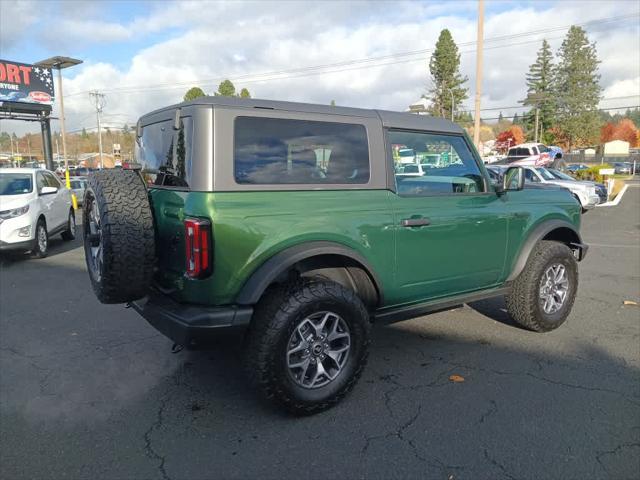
293, 223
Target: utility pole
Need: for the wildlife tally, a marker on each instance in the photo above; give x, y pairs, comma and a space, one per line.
536, 129
99, 104
452, 102
476, 120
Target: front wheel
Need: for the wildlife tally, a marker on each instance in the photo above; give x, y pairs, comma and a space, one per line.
70, 233
307, 345
543, 294
41, 242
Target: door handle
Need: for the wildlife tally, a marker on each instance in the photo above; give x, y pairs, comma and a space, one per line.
416, 222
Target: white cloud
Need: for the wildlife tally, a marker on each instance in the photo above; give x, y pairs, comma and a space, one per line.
230, 40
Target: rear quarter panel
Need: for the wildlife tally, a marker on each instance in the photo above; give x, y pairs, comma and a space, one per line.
250, 227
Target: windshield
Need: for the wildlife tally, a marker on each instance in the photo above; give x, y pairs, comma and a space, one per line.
15, 183
544, 173
559, 175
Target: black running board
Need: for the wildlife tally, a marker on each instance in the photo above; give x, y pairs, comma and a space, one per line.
405, 312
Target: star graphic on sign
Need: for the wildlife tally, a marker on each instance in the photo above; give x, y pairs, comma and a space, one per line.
37, 70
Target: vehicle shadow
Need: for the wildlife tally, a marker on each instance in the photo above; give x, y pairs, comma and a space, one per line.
496, 309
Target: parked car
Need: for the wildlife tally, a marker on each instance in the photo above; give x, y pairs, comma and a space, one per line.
622, 168
305, 234
530, 154
33, 207
411, 170
584, 192
78, 186
576, 167
407, 155
601, 188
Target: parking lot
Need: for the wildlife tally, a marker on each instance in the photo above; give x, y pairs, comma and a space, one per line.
92, 391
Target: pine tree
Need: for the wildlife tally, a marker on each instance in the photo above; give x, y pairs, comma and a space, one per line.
516, 120
448, 82
540, 93
244, 93
577, 89
500, 118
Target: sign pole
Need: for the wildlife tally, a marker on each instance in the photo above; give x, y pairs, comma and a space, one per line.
64, 140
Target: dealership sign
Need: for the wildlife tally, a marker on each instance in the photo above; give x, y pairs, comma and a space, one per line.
24, 83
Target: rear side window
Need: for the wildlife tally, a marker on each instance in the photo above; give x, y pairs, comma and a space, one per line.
272, 151
165, 153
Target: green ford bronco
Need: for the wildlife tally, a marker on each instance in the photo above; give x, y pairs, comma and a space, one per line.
302, 225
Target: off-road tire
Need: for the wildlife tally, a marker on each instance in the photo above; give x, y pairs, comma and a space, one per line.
37, 251
523, 302
70, 233
276, 316
127, 235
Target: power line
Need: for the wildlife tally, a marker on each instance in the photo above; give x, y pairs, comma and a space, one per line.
357, 63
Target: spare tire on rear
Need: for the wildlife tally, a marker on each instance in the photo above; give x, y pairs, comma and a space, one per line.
119, 237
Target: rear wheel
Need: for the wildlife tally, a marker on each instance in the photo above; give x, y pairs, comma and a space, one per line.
543, 294
307, 345
41, 242
119, 237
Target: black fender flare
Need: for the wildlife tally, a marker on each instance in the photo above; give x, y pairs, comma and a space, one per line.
266, 273
537, 234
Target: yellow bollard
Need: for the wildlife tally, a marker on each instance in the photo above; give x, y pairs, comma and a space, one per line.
74, 200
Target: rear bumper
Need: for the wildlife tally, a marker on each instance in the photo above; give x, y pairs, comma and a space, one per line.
188, 324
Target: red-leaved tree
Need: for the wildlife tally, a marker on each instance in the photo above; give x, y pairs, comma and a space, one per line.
607, 132
510, 137
624, 130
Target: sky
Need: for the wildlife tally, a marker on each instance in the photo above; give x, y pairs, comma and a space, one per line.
374, 54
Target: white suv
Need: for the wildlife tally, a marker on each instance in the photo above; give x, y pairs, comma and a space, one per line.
33, 206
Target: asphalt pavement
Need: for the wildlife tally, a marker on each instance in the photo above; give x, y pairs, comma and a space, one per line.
90, 391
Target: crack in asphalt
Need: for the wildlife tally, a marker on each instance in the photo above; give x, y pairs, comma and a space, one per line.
603, 453
491, 411
632, 400
148, 448
497, 464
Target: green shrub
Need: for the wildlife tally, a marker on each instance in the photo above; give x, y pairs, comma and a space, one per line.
593, 173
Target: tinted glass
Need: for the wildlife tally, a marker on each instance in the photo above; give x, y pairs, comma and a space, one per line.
529, 176
542, 148
272, 151
15, 183
40, 181
452, 167
51, 180
165, 153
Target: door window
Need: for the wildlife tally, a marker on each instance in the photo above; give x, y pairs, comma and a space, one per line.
449, 167
51, 180
40, 181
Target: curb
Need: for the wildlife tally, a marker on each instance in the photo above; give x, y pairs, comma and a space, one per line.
617, 200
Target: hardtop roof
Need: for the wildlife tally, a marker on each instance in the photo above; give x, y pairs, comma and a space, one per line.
389, 119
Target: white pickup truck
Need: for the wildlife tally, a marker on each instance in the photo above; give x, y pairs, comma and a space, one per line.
531, 155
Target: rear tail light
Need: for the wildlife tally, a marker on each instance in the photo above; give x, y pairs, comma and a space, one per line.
198, 247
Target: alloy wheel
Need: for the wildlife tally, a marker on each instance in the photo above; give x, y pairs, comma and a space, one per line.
318, 349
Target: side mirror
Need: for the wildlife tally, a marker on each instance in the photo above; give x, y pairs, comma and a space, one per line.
512, 179
48, 190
